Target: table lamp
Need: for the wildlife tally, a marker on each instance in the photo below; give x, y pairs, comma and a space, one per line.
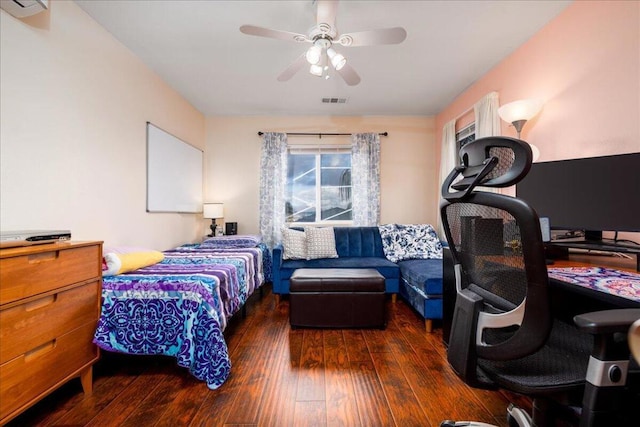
213, 211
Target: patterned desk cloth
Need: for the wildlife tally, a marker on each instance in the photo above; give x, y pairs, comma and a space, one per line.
622, 284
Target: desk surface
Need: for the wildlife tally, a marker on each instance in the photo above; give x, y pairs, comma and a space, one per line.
589, 287
575, 260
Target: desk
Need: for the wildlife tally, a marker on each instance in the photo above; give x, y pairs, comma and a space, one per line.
563, 273
567, 299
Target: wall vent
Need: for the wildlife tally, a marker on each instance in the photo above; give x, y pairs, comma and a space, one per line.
334, 100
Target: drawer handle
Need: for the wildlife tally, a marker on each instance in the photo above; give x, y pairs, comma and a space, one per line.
40, 350
44, 256
42, 302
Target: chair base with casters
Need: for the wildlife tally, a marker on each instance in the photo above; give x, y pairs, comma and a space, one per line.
515, 416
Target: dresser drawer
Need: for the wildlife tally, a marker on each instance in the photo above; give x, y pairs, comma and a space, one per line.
40, 319
35, 373
35, 273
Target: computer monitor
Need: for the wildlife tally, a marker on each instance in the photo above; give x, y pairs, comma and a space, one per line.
592, 194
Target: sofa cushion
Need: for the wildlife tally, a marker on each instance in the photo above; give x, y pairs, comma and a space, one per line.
423, 274
321, 243
358, 242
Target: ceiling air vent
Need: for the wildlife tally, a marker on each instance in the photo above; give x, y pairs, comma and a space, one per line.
334, 100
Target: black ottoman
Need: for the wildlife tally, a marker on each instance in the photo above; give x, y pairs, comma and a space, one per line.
337, 298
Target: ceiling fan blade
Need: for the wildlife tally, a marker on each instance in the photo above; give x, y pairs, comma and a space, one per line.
293, 68
252, 30
374, 37
349, 75
326, 13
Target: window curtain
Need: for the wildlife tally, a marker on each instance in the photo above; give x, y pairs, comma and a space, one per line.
486, 116
487, 122
448, 160
365, 176
273, 176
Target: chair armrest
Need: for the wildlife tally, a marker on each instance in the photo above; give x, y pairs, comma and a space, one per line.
607, 321
606, 326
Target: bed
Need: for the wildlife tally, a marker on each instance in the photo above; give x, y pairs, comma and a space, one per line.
180, 306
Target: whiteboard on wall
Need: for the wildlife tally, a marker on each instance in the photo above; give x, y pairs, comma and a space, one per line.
174, 173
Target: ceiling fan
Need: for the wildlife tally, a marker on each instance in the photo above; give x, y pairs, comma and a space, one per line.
323, 37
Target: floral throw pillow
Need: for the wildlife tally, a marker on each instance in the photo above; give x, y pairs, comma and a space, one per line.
321, 243
294, 244
410, 241
392, 250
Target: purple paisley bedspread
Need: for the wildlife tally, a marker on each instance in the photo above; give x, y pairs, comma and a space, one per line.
180, 307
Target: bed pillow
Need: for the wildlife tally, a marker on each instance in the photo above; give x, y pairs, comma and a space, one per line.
232, 242
321, 242
294, 244
124, 263
124, 249
410, 241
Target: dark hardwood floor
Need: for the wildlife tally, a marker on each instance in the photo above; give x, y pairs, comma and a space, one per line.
284, 377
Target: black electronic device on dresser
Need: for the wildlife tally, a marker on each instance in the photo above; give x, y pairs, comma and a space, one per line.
591, 195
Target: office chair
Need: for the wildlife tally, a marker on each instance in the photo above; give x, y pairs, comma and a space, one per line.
503, 334
634, 340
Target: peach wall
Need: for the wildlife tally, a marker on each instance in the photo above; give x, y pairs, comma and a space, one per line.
407, 162
585, 66
74, 105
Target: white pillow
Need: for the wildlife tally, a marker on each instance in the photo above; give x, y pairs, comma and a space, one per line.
321, 243
294, 244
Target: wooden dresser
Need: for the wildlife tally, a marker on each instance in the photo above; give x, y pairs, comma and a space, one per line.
49, 308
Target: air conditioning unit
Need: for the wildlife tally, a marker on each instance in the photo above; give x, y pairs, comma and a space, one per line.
24, 8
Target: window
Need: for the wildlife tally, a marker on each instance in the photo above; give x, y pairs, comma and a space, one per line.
318, 188
466, 135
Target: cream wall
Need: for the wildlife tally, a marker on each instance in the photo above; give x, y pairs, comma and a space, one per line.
73, 109
585, 66
407, 164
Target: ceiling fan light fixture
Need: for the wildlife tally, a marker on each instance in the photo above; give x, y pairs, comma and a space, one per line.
337, 60
313, 55
316, 70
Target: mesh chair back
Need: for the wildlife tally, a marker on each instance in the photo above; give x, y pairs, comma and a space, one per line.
488, 245
496, 244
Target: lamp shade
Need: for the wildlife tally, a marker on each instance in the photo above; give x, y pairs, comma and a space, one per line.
313, 54
316, 70
524, 109
213, 210
337, 60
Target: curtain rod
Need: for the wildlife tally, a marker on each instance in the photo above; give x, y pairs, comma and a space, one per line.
464, 113
320, 135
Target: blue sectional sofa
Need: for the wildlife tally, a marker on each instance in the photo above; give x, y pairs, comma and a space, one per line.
421, 287
419, 282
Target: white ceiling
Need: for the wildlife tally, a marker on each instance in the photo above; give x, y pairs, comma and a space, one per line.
197, 48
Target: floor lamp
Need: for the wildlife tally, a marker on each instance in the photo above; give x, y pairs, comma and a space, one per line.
518, 113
